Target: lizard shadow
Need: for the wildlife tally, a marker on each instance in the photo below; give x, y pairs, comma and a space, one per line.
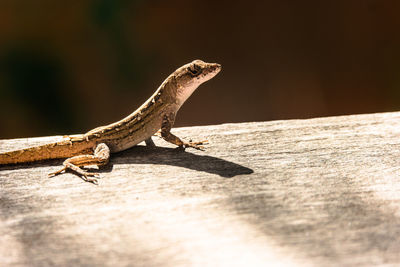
181, 158
158, 156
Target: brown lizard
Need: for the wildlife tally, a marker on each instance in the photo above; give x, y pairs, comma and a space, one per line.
157, 113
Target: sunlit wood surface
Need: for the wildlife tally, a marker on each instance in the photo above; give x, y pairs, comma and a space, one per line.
318, 192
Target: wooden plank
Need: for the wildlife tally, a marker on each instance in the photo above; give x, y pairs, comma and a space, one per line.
318, 192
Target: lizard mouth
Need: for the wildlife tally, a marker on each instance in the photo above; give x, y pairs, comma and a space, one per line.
213, 69
217, 67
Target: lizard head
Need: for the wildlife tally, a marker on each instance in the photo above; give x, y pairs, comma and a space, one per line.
190, 76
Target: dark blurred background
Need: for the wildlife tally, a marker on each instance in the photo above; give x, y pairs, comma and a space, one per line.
69, 66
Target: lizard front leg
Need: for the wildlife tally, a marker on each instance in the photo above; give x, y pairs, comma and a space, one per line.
100, 157
166, 126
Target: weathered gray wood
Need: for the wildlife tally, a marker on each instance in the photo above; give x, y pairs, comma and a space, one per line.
319, 192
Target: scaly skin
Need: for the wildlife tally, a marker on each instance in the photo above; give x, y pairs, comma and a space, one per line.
158, 112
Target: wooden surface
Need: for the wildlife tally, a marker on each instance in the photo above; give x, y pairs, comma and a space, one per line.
319, 192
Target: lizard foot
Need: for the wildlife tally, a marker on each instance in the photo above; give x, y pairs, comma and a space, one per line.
89, 177
57, 172
85, 175
99, 158
196, 145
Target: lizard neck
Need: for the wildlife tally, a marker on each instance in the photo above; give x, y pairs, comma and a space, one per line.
183, 94
174, 93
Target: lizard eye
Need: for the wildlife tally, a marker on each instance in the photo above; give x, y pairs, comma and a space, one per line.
194, 69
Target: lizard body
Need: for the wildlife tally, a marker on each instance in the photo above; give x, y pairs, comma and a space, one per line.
158, 112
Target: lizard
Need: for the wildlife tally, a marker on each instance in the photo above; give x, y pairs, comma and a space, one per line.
155, 117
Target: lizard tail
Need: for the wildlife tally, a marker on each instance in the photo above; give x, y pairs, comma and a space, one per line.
57, 150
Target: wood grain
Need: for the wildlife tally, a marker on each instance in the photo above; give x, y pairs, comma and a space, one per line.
318, 192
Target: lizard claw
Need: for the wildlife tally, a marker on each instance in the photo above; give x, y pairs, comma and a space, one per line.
196, 145
91, 180
86, 176
89, 177
57, 172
